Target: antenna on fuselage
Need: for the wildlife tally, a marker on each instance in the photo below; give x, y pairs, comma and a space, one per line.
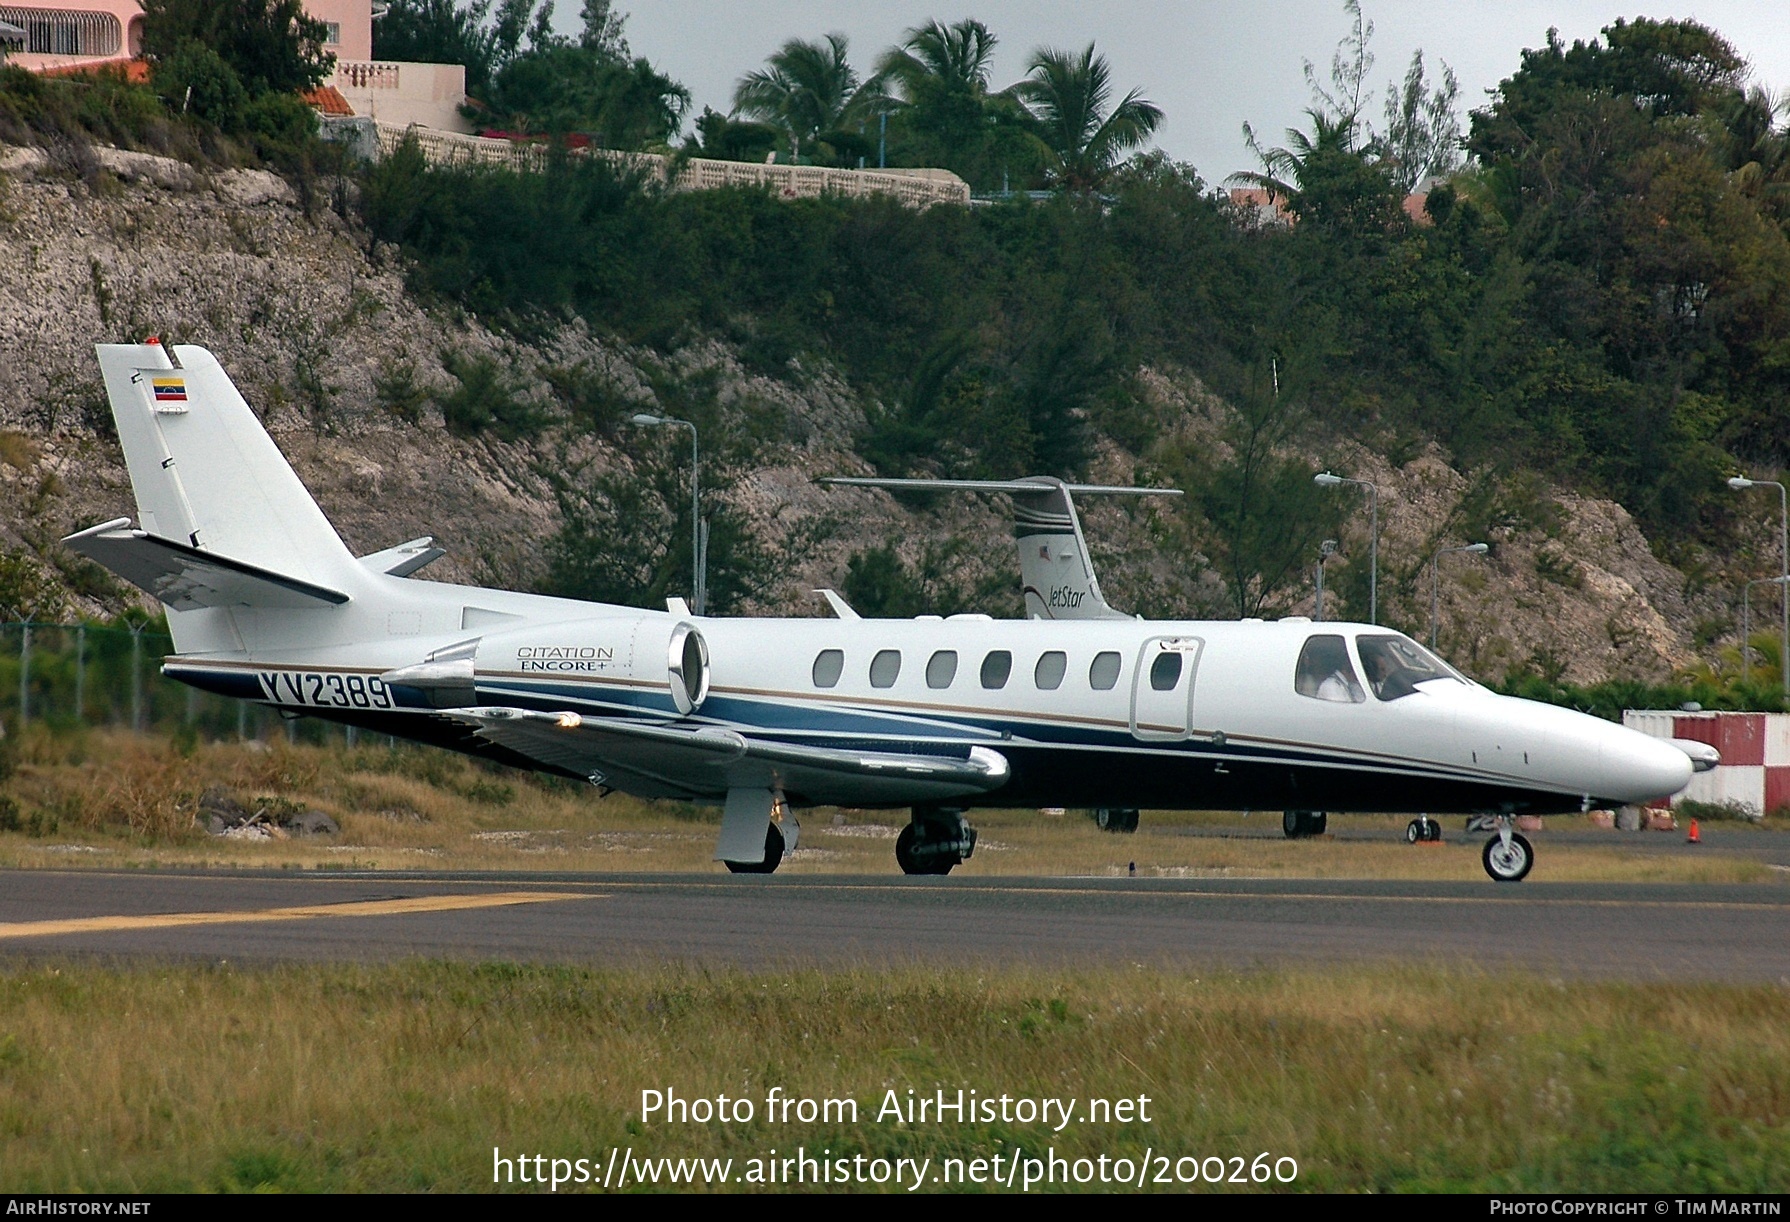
1054, 564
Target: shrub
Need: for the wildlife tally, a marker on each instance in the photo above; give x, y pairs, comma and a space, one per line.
196, 81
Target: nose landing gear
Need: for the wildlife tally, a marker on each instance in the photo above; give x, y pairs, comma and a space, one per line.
1507, 856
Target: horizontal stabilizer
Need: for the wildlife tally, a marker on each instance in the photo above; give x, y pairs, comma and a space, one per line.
186, 578
1030, 485
406, 558
675, 761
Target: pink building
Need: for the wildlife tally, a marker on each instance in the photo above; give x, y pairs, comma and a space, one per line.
81, 32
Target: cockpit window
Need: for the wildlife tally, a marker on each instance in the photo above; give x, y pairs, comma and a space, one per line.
1325, 672
1395, 665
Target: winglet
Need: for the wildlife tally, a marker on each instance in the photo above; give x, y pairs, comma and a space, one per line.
841, 608
1054, 564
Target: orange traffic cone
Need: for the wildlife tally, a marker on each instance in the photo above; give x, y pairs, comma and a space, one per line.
1694, 837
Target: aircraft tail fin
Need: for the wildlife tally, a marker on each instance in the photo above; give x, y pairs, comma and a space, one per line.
1054, 565
204, 470
224, 520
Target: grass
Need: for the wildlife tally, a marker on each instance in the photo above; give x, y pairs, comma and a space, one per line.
404, 1077
109, 798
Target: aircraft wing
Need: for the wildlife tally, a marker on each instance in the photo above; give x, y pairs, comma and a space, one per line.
672, 761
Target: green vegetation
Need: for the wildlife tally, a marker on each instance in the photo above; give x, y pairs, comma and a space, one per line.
403, 1078
1602, 315
1592, 300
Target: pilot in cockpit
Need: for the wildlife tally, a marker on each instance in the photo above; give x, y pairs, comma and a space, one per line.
1325, 672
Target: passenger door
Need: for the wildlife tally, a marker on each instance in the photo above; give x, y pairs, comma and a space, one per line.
1162, 687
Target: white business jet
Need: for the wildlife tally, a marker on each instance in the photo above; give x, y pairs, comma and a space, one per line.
1076, 706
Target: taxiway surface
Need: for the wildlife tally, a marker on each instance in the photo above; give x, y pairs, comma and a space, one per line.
1623, 931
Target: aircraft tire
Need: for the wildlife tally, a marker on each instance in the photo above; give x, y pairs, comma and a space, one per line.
1414, 832
1292, 824
912, 862
773, 856
1436, 830
1508, 867
1316, 821
1114, 819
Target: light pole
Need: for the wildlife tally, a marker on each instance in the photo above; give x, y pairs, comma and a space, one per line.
1740, 483
1326, 549
1746, 625
137, 676
1477, 549
1325, 479
698, 561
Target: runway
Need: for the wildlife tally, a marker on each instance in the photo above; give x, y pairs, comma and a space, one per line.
1643, 932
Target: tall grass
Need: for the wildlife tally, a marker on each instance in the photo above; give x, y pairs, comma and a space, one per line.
405, 1077
108, 797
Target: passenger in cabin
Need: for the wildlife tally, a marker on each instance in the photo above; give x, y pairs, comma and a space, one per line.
1325, 672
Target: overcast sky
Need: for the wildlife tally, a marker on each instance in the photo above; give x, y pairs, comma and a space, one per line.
1210, 64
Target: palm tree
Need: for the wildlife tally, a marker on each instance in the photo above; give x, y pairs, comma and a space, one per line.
1068, 96
808, 90
1283, 170
939, 83
941, 60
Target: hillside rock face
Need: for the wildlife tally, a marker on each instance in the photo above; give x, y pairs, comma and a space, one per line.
312, 321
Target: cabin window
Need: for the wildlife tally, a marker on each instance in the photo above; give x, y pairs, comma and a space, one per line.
995, 669
1103, 674
884, 667
1048, 674
828, 666
1165, 672
1395, 665
1325, 672
941, 668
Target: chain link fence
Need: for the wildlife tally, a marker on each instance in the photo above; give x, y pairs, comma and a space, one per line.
67, 676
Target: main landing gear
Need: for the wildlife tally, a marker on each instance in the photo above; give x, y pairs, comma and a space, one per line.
1422, 829
1507, 856
936, 840
1298, 824
1115, 819
773, 855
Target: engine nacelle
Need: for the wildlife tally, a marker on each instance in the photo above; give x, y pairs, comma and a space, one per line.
650, 653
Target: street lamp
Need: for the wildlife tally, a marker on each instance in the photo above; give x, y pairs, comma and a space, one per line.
1326, 549
1746, 625
1476, 549
1740, 483
698, 558
1325, 479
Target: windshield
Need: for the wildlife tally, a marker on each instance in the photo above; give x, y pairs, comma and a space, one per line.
1395, 665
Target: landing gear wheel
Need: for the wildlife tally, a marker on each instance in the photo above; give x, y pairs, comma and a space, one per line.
912, 861
1114, 819
1422, 829
934, 843
1508, 864
773, 856
1297, 824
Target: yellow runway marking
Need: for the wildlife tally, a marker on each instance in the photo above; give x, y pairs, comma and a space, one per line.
398, 907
